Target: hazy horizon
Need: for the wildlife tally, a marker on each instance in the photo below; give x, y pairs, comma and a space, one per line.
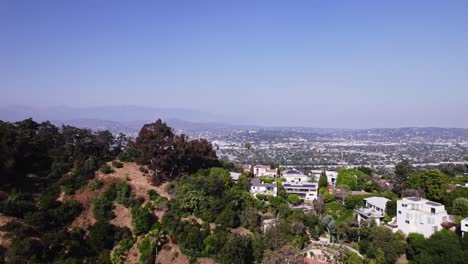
323, 64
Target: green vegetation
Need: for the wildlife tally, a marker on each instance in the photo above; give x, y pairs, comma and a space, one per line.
95, 185
208, 215
349, 178
106, 169
117, 164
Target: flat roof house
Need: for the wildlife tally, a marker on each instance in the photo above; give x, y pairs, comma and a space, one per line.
418, 215
373, 210
259, 187
294, 176
306, 191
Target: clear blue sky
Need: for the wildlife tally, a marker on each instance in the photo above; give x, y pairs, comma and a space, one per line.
303, 63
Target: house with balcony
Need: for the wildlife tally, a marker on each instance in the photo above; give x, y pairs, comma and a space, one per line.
259, 187
307, 191
418, 215
464, 226
374, 210
294, 176
331, 176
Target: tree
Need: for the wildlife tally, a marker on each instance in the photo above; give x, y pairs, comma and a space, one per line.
460, 206
403, 171
442, 247
236, 250
390, 209
247, 145
348, 177
294, 199
286, 254
170, 155
433, 182
323, 182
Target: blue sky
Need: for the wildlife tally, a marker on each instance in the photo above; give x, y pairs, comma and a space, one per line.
291, 63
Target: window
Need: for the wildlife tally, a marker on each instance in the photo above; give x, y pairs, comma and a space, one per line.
399, 212
407, 221
433, 210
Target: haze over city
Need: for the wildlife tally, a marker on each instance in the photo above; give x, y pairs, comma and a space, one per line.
341, 64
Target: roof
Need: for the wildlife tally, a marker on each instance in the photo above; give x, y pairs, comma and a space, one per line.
291, 171
257, 182
262, 166
380, 202
234, 175
433, 203
414, 199
314, 185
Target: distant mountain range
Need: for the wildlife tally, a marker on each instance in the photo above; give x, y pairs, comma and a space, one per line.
130, 119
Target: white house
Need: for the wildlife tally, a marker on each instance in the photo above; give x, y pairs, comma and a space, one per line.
331, 176
259, 187
234, 175
295, 176
464, 226
373, 210
418, 215
307, 191
264, 170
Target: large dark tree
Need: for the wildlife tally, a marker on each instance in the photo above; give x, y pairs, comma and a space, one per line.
170, 155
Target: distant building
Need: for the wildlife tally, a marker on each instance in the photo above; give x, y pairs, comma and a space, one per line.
307, 191
294, 176
331, 176
418, 215
246, 168
373, 210
384, 184
464, 226
259, 187
264, 170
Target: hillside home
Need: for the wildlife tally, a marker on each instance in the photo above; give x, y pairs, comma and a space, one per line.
331, 176
306, 191
373, 210
264, 170
294, 176
418, 215
259, 187
464, 226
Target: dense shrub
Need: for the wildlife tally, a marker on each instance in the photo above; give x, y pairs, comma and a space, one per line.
117, 164
106, 169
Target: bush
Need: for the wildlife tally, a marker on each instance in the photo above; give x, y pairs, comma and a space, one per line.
153, 195
294, 199
141, 220
267, 180
95, 185
117, 164
106, 169
123, 193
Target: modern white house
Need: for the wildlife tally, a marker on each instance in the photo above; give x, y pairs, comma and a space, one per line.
259, 187
294, 176
331, 176
464, 226
373, 210
418, 215
264, 170
307, 191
